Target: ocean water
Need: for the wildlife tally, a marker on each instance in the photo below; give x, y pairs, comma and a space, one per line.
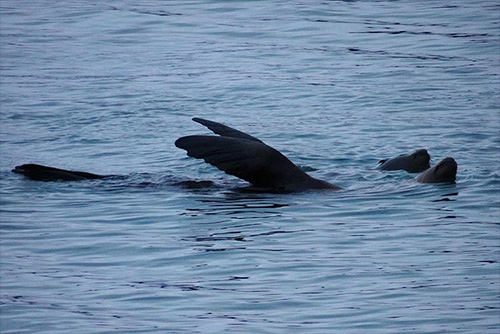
107, 87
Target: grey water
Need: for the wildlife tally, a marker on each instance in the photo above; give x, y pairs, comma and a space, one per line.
107, 87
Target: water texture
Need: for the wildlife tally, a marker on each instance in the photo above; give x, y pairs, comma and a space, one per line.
107, 87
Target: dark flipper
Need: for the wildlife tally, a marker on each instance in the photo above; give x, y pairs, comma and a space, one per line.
44, 173
250, 160
225, 131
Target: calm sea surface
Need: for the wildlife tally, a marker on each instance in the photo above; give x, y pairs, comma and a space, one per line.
107, 87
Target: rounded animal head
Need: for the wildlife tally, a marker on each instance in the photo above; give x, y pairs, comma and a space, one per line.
445, 171
421, 159
27, 168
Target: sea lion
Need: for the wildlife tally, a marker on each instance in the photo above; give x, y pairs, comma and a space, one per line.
244, 156
444, 171
44, 173
415, 162
248, 158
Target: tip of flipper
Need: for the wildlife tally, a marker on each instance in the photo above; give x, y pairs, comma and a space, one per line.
182, 142
177, 143
202, 121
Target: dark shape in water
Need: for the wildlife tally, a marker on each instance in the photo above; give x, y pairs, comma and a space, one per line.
191, 184
444, 171
248, 158
415, 162
44, 173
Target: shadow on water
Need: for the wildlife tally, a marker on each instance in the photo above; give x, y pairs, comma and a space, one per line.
232, 206
236, 205
141, 182
228, 200
233, 221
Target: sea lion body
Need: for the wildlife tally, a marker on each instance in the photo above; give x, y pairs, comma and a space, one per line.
45, 173
415, 162
246, 157
444, 171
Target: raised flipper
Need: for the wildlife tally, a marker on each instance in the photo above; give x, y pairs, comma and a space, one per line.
248, 159
44, 173
224, 131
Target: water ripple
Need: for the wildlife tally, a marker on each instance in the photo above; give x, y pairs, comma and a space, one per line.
336, 86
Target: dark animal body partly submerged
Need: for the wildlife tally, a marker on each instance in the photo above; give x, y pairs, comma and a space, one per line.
248, 158
415, 162
44, 173
244, 156
444, 171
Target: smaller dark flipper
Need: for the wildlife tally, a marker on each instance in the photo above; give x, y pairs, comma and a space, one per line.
45, 173
224, 130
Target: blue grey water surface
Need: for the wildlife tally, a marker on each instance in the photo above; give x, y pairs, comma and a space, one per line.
108, 86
